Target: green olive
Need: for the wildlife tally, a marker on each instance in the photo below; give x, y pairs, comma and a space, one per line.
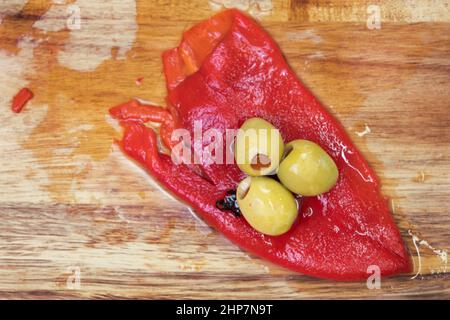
266, 205
258, 148
307, 169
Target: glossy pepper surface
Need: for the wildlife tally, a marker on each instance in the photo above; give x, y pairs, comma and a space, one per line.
226, 70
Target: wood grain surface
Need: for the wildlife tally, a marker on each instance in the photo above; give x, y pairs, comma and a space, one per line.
72, 207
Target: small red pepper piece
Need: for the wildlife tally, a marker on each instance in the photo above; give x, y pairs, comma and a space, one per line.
21, 99
139, 81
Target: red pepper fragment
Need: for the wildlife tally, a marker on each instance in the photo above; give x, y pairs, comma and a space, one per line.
21, 99
139, 81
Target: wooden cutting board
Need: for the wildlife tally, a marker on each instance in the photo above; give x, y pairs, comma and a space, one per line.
79, 220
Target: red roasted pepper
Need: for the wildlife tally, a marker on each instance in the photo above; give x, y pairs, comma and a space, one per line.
225, 71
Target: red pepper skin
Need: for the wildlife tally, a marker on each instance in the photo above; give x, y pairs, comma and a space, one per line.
339, 234
21, 99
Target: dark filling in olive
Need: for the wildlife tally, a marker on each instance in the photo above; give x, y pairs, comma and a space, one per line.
260, 161
229, 203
